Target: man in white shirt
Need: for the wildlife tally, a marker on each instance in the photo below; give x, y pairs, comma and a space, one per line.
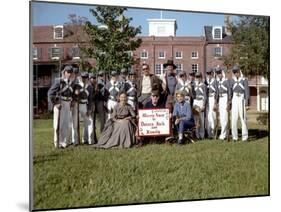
146, 84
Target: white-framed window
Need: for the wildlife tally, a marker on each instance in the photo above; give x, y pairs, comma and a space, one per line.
178, 55
194, 55
144, 54
179, 68
35, 53
217, 33
75, 52
217, 51
55, 53
158, 69
194, 68
58, 32
161, 55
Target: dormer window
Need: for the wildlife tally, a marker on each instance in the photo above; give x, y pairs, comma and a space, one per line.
58, 32
217, 33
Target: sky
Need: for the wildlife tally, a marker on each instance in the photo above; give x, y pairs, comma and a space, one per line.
188, 23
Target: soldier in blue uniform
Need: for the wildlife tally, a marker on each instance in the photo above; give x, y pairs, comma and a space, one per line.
131, 89
240, 94
113, 87
199, 104
223, 101
191, 76
123, 78
93, 83
83, 93
184, 86
101, 99
60, 94
212, 102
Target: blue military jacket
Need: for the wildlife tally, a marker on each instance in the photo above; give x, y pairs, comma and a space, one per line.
61, 89
85, 95
224, 87
113, 89
200, 91
240, 86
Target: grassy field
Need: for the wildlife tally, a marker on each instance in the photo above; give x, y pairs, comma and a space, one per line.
84, 176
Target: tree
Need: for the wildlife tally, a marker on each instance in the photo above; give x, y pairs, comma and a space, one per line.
250, 49
113, 40
74, 29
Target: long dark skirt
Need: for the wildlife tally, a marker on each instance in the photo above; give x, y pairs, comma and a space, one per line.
117, 134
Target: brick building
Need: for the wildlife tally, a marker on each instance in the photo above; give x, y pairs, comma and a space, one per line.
54, 46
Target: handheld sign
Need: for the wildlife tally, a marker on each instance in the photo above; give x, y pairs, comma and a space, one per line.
154, 122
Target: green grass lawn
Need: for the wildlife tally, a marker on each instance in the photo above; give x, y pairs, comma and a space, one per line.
84, 176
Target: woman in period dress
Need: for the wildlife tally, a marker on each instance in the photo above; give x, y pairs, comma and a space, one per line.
119, 131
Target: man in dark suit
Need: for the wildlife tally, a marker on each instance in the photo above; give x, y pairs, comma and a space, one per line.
171, 82
146, 84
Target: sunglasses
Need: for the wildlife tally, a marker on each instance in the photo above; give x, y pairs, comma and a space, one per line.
145, 69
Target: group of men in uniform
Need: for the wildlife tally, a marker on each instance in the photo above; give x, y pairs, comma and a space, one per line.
79, 94
83, 95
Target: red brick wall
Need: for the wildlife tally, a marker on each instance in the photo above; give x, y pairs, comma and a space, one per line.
211, 60
170, 46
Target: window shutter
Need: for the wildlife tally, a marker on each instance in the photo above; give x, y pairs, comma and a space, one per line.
61, 53
50, 53
39, 53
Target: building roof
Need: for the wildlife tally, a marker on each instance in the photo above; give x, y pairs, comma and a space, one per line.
209, 37
45, 34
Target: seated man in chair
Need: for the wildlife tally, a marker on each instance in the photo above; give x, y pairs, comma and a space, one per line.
183, 116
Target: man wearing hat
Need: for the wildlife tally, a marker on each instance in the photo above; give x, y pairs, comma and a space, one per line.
171, 83
240, 94
101, 99
224, 100
131, 89
113, 87
212, 101
184, 86
60, 94
199, 103
83, 93
146, 84
191, 76
153, 103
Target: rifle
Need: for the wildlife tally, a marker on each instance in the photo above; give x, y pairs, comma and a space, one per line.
228, 125
59, 108
78, 121
217, 124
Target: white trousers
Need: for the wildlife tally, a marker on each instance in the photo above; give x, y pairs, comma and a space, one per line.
200, 132
211, 117
88, 128
223, 115
238, 110
61, 123
110, 105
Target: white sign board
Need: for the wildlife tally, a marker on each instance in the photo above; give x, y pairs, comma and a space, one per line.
154, 122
